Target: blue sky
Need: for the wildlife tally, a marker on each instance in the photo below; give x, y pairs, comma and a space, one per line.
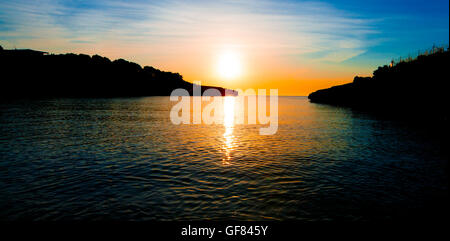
405, 26
304, 40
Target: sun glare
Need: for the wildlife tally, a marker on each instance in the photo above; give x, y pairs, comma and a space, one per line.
229, 65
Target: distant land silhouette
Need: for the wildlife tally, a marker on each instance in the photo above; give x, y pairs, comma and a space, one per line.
417, 86
27, 73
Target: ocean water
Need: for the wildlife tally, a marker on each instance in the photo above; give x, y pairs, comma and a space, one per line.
123, 159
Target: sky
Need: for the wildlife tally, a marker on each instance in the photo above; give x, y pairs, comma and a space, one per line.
294, 46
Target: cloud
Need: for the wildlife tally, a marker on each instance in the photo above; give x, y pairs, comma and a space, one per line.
171, 28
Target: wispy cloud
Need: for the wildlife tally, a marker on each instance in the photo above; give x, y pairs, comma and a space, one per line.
260, 26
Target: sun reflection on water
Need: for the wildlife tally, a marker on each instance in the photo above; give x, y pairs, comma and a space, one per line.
228, 122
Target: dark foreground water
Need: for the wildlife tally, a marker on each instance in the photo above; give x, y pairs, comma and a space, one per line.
123, 159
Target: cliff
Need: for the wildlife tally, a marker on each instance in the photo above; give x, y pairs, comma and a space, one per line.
415, 86
35, 74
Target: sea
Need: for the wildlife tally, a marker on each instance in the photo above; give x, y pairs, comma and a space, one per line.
125, 159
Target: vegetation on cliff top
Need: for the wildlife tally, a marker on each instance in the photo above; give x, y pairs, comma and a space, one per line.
29, 74
415, 85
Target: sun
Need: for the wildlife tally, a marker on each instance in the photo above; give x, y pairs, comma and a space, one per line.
229, 65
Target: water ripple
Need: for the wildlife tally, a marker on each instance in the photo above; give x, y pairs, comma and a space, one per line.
122, 159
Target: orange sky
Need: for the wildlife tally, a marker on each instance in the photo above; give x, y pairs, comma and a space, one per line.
259, 69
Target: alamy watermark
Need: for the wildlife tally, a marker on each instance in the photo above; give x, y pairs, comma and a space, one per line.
231, 109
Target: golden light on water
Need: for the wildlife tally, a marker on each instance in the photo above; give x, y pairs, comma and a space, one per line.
228, 122
228, 111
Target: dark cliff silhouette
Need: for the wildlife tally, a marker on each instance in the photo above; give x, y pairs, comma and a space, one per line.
414, 86
29, 73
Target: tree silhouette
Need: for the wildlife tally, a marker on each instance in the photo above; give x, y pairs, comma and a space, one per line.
31, 74
414, 85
